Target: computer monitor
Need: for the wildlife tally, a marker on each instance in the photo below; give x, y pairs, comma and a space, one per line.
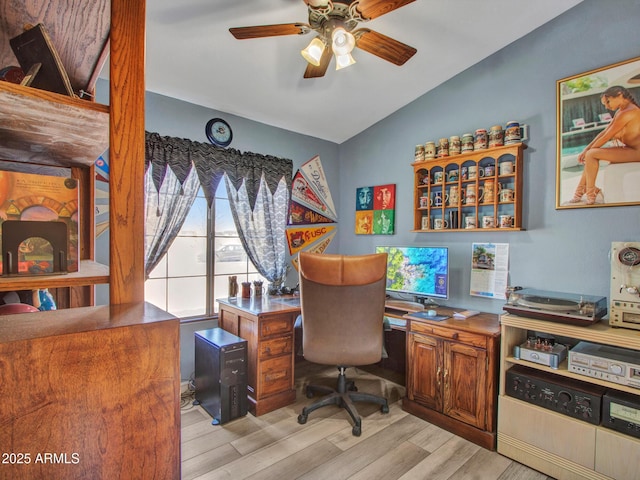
420, 271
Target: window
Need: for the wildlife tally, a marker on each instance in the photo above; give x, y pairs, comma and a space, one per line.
196, 269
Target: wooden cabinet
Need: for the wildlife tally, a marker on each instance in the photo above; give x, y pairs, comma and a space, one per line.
97, 386
452, 375
267, 326
558, 445
470, 191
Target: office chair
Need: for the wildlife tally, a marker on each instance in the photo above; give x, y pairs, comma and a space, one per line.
342, 302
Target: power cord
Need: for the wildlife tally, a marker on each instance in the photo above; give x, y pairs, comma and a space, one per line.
188, 396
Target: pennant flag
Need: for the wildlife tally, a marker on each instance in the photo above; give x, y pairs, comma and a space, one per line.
302, 193
301, 215
319, 247
299, 238
314, 174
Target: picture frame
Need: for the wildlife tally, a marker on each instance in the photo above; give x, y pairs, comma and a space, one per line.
375, 210
581, 117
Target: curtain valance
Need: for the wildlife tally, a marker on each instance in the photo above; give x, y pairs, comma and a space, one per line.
211, 163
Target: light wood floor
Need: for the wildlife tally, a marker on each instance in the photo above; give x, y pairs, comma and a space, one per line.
392, 446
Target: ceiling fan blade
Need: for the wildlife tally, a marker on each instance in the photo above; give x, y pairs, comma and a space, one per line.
384, 47
260, 31
370, 9
314, 72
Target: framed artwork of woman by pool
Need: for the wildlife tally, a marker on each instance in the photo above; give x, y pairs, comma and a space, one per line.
598, 137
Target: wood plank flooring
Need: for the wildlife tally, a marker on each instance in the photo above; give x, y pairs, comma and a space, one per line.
392, 446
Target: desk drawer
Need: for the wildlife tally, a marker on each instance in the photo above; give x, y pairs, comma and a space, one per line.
276, 325
275, 375
275, 347
461, 336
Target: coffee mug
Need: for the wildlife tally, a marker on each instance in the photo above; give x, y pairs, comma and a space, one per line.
464, 173
470, 194
429, 150
425, 223
487, 171
452, 175
470, 222
439, 224
506, 167
489, 191
473, 172
488, 222
512, 132
424, 202
438, 199
454, 196
506, 195
506, 221
438, 177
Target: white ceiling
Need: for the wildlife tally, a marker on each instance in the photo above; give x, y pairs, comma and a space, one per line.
192, 56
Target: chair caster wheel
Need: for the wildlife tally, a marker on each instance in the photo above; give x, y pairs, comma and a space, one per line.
302, 419
356, 430
384, 409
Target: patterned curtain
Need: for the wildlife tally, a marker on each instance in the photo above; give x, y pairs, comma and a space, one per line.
262, 230
261, 209
166, 209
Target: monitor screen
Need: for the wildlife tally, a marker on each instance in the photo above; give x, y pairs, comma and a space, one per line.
420, 271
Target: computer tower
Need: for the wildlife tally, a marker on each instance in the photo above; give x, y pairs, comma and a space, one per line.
221, 374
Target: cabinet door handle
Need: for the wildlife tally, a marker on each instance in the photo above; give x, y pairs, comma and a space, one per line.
455, 336
438, 376
446, 376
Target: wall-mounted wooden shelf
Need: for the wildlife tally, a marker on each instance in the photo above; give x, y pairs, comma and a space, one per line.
426, 187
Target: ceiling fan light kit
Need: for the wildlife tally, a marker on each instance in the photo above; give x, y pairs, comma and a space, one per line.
313, 52
343, 61
335, 22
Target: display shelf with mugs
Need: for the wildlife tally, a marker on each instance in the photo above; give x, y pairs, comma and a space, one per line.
471, 191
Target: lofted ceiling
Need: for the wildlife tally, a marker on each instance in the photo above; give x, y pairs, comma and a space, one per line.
192, 56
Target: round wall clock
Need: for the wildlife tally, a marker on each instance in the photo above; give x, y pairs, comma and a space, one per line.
219, 132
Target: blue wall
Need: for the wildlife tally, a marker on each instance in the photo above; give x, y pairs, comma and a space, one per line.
561, 250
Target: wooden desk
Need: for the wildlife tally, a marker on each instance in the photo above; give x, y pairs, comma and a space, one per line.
451, 366
266, 323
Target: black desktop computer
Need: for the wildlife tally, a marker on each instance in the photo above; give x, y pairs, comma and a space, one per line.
221, 374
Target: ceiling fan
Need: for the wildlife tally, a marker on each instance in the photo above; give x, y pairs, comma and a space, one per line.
334, 22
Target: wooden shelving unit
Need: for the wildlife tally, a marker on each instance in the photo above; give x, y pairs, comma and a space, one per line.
425, 187
559, 445
69, 372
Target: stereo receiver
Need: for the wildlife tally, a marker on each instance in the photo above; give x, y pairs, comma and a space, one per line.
621, 412
614, 364
568, 396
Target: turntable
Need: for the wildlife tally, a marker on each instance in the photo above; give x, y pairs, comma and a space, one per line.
557, 307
